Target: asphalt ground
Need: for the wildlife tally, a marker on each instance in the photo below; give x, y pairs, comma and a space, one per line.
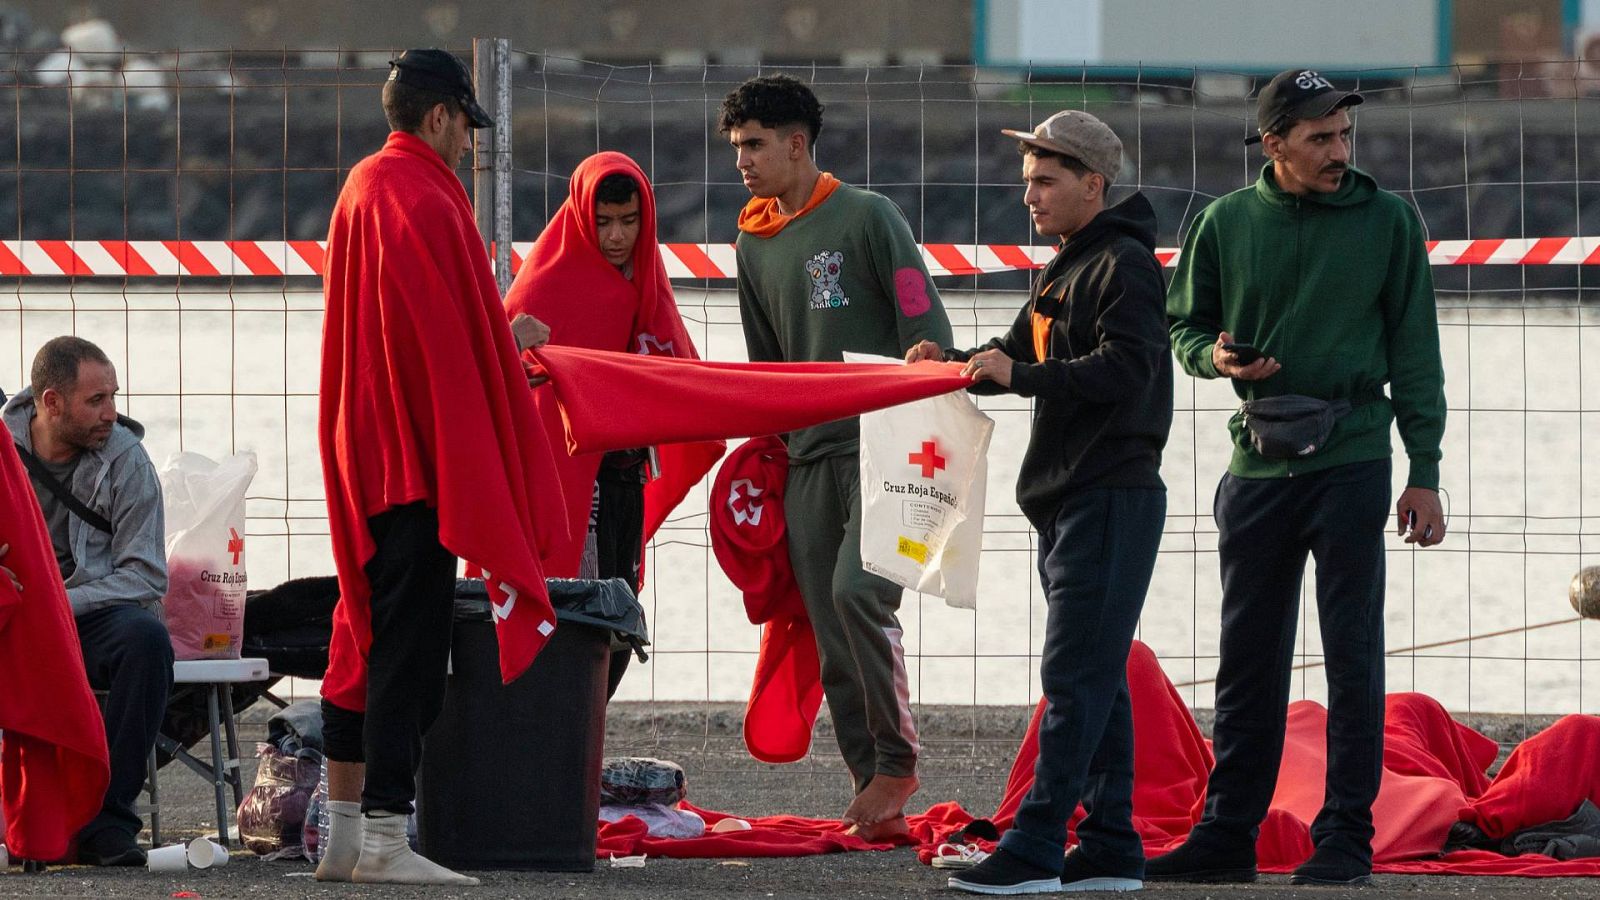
967, 756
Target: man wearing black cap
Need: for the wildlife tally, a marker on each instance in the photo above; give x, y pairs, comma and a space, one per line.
427, 431
1310, 290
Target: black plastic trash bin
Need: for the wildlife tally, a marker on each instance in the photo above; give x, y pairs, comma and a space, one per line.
510, 774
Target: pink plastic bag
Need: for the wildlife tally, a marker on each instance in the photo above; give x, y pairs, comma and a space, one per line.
206, 579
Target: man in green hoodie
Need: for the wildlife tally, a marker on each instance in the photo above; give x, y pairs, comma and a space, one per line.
824, 269
1312, 285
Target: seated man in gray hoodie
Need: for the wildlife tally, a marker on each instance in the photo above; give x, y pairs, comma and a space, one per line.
102, 504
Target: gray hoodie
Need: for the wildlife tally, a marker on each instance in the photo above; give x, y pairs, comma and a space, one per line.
119, 482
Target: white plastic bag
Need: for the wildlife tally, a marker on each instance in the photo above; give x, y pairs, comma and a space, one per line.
206, 580
924, 472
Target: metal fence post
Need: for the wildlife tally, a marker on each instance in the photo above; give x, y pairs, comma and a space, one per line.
491, 157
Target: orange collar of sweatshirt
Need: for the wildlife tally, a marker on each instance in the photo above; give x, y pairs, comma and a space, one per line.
762, 218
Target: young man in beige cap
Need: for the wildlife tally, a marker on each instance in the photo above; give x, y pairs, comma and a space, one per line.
1091, 348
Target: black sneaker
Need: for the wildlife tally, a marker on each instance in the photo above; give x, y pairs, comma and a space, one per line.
1201, 863
1079, 874
1332, 866
110, 847
1006, 873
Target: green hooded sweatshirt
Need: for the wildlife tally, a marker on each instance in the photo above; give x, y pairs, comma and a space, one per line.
1338, 288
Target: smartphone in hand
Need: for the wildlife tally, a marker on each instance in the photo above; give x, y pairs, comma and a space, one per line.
1243, 354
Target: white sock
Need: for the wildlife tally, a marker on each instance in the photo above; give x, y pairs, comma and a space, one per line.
342, 845
387, 858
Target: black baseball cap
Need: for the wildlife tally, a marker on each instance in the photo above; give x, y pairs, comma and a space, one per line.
1297, 94
440, 71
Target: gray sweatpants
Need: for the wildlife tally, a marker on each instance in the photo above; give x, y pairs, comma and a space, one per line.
853, 616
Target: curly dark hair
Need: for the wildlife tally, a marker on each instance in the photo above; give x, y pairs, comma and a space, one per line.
774, 101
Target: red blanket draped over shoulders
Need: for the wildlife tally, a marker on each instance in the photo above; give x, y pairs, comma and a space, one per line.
53, 764
424, 399
567, 283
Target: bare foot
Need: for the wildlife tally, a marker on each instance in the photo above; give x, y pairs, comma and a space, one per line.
852, 813
889, 831
884, 799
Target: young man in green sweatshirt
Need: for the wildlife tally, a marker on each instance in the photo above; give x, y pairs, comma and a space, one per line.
1313, 282
826, 268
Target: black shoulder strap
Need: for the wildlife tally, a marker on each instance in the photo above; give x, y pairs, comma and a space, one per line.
37, 470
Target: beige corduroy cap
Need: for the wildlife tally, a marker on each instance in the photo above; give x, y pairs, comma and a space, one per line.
1079, 135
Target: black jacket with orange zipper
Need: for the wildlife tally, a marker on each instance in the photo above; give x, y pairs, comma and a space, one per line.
1091, 348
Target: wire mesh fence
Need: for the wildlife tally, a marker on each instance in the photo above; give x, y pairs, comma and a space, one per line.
168, 207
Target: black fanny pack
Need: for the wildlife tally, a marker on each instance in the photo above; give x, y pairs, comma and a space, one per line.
1291, 426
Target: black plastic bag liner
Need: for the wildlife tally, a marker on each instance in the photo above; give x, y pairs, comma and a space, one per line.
608, 604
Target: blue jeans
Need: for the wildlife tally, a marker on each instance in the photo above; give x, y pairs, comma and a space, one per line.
1095, 561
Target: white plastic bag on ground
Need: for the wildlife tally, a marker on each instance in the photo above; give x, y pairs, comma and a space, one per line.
206, 579
924, 472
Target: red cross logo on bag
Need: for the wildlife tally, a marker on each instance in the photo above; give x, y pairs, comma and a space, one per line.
929, 459
235, 545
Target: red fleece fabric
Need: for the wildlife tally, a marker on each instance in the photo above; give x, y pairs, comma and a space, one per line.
53, 763
1167, 741
1433, 767
1525, 791
424, 399
669, 400
567, 283
1434, 770
750, 539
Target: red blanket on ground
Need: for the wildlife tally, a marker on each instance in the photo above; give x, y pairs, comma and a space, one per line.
567, 283
1433, 777
53, 764
423, 398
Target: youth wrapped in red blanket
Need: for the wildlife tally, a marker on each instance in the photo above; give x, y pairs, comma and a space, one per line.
567, 283
53, 763
424, 398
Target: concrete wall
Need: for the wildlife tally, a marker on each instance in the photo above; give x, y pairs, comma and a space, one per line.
637, 29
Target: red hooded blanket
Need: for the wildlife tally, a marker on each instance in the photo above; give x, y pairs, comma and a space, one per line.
751, 541
53, 764
567, 283
424, 398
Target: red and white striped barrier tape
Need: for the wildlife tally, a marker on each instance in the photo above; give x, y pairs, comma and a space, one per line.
244, 259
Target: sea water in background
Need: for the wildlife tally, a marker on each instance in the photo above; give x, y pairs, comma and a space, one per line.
217, 371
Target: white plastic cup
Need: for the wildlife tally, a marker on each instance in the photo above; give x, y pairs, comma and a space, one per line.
171, 858
205, 853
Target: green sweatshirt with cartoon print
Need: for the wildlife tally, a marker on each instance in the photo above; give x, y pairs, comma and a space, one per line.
846, 276
1338, 288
